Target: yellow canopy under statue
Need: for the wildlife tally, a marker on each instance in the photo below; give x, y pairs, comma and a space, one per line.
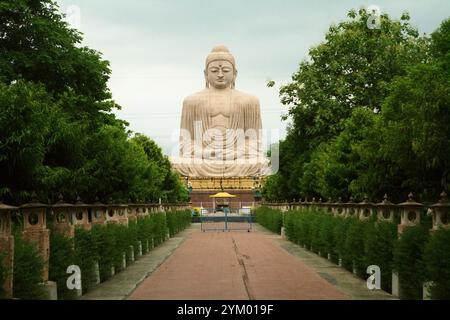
222, 195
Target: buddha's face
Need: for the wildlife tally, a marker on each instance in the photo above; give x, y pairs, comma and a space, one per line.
220, 74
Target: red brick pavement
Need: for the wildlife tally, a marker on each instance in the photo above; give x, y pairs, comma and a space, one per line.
234, 265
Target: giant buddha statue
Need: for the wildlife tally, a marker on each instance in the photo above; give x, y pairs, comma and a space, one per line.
221, 128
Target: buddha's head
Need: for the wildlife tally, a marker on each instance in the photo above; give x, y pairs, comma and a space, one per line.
220, 71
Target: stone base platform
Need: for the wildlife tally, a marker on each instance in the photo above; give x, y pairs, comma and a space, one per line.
238, 183
244, 198
244, 188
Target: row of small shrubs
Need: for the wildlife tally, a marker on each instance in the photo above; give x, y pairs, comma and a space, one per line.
106, 244
28, 270
270, 218
416, 256
103, 244
358, 244
178, 221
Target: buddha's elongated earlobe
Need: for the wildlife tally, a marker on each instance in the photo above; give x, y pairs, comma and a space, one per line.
206, 79
233, 83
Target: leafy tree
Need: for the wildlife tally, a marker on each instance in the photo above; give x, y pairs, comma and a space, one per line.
350, 70
170, 185
57, 132
416, 115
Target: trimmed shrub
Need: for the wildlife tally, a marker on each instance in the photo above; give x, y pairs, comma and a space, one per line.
379, 247
270, 218
178, 220
107, 252
133, 239
408, 261
28, 269
437, 261
326, 236
354, 249
62, 255
85, 257
340, 235
289, 228
144, 233
158, 227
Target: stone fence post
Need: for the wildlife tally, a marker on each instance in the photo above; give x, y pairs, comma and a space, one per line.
366, 209
99, 212
338, 208
306, 204
7, 247
144, 210
329, 206
62, 214
409, 213
350, 208
386, 210
122, 211
132, 211
441, 213
321, 205
35, 231
112, 215
81, 215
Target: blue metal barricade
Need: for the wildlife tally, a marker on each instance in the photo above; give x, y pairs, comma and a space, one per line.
224, 220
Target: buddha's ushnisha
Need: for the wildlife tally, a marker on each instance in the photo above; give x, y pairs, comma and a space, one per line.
220, 126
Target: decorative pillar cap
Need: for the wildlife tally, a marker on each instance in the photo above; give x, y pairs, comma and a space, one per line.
80, 203
443, 202
61, 203
411, 203
6, 207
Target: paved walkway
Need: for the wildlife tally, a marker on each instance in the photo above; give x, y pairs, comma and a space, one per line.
122, 284
233, 265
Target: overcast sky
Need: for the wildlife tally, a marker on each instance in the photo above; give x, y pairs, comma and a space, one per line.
157, 49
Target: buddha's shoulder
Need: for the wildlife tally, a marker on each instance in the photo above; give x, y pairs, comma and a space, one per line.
245, 98
203, 96
196, 98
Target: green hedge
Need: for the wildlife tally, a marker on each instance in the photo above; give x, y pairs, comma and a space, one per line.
416, 256
379, 250
358, 243
437, 261
62, 255
86, 255
28, 269
178, 220
270, 219
106, 244
106, 249
408, 261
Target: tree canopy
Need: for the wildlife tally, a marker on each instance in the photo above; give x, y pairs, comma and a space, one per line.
369, 114
57, 130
